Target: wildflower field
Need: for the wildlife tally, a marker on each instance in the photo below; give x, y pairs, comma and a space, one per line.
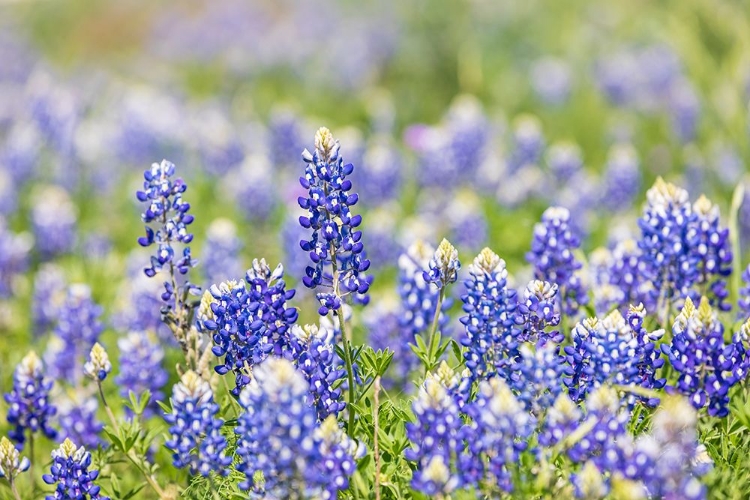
318, 249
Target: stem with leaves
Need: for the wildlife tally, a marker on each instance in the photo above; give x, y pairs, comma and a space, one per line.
434, 328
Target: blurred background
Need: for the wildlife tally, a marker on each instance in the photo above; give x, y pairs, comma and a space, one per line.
464, 119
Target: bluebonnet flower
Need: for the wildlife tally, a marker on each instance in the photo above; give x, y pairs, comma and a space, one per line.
316, 359
466, 220
622, 177
665, 226
626, 273
168, 212
248, 322
11, 462
78, 329
743, 302
684, 110
252, 187
707, 366
605, 439
335, 242
78, 422
98, 366
71, 475
436, 439
53, 219
560, 421
610, 351
195, 433
527, 143
28, 401
489, 334
443, 266
379, 179
552, 257
713, 253
498, 433
537, 312
551, 79
221, 251
537, 376
564, 160
277, 436
141, 369
674, 464
606, 295
295, 262
14, 257
284, 137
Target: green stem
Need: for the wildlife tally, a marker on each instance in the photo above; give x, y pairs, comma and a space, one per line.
349, 370
32, 461
14, 489
734, 236
433, 329
130, 454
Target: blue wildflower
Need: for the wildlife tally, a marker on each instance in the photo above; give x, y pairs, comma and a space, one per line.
622, 177
335, 247
195, 433
713, 254
443, 266
71, 475
11, 463
53, 218
552, 255
28, 401
78, 422
537, 312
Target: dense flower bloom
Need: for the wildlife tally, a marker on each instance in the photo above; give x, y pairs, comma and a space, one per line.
98, 366
499, 431
537, 312
79, 423
626, 273
665, 226
552, 257
537, 376
53, 218
11, 462
278, 437
167, 211
14, 257
78, 329
248, 322
28, 401
707, 366
48, 296
712, 250
141, 368
221, 251
560, 420
443, 266
336, 241
489, 336
195, 433
622, 177
71, 475
674, 453
316, 359
436, 435
612, 350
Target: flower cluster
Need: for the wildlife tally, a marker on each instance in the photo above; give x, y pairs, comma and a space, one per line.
538, 312
443, 266
28, 402
195, 433
141, 368
707, 366
78, 329
612, 350
552, 255
668, 260
499, 431
78, 421
98, 366
278, 438
71, 475
436, 439
489, 334
168, 213
335, 248
712, 249
316, 359
248, 322
11, 463
537, 376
